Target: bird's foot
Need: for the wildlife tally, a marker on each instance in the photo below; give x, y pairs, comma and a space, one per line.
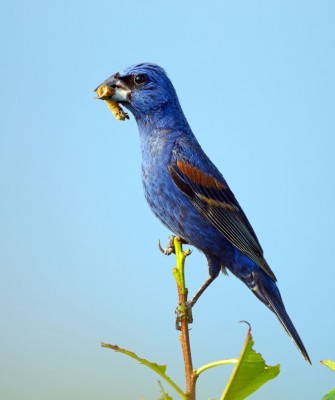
170, 247
183, 311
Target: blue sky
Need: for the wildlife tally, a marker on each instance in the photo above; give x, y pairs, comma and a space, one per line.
78, 244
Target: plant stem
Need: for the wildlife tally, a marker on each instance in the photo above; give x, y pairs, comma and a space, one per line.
184, 318
186, 348
216, 364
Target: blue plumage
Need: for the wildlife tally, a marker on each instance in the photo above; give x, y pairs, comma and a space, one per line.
188, 193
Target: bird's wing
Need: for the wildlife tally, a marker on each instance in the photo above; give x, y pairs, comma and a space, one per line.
195, 175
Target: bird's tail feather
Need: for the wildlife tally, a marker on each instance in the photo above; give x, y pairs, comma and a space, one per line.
266, 290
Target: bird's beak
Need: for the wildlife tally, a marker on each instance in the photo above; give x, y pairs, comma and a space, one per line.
113, 89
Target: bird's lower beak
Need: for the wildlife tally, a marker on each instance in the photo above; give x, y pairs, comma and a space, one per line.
113, 89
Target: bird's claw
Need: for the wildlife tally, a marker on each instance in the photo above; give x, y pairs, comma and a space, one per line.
183, 311
170, 247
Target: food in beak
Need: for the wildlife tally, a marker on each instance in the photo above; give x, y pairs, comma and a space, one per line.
105, 93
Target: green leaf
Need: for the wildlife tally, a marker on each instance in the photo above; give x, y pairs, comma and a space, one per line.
159, 369
329, 363
164, 395
330, 395
250, 373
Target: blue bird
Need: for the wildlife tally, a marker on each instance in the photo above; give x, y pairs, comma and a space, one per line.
186, 191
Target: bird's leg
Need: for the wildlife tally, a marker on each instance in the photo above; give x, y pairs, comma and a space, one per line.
200, 291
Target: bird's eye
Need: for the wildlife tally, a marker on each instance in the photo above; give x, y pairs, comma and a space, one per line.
140, 79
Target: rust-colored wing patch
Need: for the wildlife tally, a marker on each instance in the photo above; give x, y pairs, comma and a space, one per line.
199, 177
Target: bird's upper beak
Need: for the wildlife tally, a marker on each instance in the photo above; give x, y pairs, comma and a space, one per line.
113, 89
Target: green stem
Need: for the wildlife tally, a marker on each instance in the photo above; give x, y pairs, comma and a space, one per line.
215, 364
179, 274
179, 271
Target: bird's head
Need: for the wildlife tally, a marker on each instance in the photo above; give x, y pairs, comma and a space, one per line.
142, 88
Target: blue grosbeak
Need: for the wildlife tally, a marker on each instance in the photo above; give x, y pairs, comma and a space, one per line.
188, 193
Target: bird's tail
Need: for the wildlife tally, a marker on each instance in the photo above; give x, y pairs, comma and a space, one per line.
266, 290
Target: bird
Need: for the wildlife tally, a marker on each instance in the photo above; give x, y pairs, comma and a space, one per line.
187, 192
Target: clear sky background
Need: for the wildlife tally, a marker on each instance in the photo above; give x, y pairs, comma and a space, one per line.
78, 245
